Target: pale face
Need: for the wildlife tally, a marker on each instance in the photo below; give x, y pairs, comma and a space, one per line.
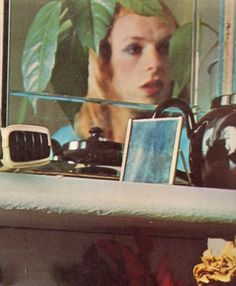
139, 59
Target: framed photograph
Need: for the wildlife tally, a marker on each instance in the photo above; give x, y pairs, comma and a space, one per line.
151, 150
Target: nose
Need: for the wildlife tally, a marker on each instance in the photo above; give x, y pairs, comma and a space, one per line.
153, 59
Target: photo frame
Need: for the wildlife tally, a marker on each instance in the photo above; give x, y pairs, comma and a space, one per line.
151, 150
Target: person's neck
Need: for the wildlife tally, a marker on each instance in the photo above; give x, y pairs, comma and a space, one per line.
119, 120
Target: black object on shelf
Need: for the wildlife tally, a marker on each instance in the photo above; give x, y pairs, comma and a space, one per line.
212, 141
94, 151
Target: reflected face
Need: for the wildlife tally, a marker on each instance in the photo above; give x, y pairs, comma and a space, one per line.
139, 60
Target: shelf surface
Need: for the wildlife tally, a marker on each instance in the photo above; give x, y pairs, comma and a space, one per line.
78, 204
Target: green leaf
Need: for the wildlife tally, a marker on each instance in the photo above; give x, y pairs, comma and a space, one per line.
65, 29
40, 47
93, 20
143, 7
180, 57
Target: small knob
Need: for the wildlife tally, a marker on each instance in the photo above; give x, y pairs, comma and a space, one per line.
95, 132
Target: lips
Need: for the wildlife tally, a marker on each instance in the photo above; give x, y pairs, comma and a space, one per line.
153, 86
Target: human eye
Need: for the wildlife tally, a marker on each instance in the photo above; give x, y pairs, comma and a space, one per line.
163, 48
133, 49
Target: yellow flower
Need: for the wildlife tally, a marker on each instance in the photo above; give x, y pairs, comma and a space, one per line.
221, 268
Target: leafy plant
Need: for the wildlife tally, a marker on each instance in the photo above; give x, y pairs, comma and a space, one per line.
57, 43
179, 61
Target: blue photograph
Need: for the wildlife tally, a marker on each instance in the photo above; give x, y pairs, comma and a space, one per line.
151, 150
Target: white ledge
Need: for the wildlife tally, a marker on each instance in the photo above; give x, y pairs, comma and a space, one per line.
55, 202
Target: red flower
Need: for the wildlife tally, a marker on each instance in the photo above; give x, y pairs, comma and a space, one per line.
164, 275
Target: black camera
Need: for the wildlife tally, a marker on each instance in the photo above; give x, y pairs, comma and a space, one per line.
93, 156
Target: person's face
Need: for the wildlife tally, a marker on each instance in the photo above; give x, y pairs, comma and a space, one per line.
139, 59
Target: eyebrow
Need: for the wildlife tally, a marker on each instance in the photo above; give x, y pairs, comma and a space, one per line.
133, 38
139, 38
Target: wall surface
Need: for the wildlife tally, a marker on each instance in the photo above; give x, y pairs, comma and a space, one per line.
30, 257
